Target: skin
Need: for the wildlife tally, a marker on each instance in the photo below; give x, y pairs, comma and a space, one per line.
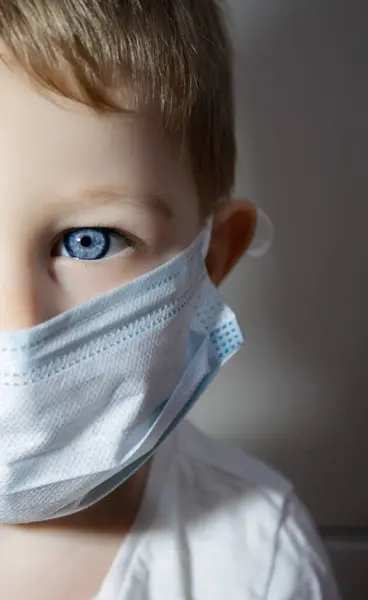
63, 166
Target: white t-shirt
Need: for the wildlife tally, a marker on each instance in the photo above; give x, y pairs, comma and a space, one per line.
216, 524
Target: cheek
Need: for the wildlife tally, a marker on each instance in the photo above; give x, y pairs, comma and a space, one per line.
79, 282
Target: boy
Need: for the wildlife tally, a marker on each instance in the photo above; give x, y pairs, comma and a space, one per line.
117, 145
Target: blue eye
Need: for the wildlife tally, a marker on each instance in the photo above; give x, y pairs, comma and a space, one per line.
91, 243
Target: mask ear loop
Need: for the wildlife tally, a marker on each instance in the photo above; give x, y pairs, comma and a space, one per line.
263, 237
207, 234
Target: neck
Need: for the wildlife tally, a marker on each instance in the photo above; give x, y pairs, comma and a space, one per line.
114, 514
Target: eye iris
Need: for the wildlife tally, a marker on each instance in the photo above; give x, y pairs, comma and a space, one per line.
87, 244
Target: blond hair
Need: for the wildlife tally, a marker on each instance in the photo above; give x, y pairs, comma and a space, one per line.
174, 53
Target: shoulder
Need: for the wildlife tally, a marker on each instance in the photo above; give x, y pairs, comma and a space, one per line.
230, 469
245, 509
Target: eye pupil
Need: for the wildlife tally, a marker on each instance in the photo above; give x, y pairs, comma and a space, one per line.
86, 241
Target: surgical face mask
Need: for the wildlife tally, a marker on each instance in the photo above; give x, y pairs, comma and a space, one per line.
86, 398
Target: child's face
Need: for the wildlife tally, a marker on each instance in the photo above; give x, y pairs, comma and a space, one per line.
64, 167
75, 185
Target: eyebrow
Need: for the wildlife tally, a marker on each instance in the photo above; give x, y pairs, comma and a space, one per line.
153, 201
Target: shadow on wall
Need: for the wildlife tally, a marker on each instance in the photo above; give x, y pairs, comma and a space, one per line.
298, 395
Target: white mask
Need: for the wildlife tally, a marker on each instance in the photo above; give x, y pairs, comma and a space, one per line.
86, 398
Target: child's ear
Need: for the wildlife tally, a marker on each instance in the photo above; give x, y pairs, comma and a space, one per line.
234, 226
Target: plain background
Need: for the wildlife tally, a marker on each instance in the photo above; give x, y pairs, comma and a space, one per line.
297, 394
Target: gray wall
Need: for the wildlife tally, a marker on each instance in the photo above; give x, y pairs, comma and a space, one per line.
297, 395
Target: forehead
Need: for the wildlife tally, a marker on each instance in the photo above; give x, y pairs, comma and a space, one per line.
50, 142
